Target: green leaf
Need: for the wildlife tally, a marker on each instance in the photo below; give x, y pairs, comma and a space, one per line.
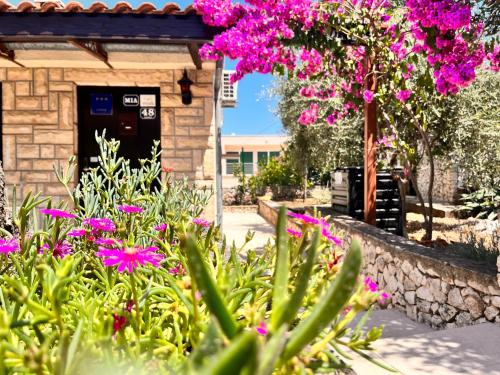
208, 288
280, 290
304, 274
329, 306
238, 355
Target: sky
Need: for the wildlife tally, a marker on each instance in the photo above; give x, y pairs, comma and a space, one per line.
253, 114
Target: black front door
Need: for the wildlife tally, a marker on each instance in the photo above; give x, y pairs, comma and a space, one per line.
129, 114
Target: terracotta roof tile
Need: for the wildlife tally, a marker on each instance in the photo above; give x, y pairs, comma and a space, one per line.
96, 7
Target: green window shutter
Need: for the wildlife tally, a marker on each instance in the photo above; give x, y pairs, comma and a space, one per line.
230, 164
247, 162
262, 157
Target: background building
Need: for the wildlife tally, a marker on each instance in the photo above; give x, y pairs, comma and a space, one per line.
249, 150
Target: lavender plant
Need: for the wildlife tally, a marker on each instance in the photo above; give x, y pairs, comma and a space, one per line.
133, 279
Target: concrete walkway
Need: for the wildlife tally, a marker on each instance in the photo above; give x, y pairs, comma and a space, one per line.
416, 349
410, 347
237, 224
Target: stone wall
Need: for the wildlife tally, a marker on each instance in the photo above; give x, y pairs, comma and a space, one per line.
40, 122
428, 285
446, 180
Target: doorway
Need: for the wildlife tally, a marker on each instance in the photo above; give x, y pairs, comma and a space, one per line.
129, 114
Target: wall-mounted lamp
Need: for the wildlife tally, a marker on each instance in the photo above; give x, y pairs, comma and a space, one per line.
185, 84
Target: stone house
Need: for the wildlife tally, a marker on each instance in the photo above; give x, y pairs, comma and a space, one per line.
67, 71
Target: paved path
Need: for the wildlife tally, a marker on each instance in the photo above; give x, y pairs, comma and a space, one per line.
237, 224
410, 347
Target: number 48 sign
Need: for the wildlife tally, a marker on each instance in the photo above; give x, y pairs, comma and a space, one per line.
148, 113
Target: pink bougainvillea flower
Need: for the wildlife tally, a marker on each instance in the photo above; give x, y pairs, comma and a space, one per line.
161, 227
294, 233
306, 219
10, 245
130, 209
201, 222
109, 242
119, 322
100, 224
129, 258
77, 232
403, 95
55, 213
368, 96
262, 329
61, 249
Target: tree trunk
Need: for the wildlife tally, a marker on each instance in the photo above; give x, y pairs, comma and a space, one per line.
403, 186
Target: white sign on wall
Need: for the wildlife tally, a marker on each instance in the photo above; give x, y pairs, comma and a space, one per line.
148, 100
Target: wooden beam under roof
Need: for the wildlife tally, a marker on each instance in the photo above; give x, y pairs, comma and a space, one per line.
93, 48
9, 54
194, 51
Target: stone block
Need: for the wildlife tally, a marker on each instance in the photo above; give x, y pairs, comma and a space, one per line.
425, 294
19, 74
202, 90
188, 111
193, 142
53, 136
406, 267
491, 313
28, 102
463, 319
416, 276
188, 121
12, 177
9, 96
495, 301
53, 101
9, 152
61, 86
66, 111
31, 117
171, 101
411, 312
410, 297
23, 88
56, 74
24, 164
447, 312
17, 129
119, 76
43, 165
180, 164
55, 189
478, 286
182, 131
455, 299
47, 151
3, 74
202, 130
205, 76
423, 306
24, 138
64, 151
28, 151
475, 305
41, 79
36, 176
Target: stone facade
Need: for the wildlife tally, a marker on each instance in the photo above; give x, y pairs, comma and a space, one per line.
40, 122
446, 180
427, 285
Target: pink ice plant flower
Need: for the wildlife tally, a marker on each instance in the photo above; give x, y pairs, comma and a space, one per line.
306, 219
61, 249
201, 222
10, 245
57, 213
129, 258
77, 232
102, 224
371, 286
161, 227
108, 242
178, 269
130, 209
368, 96
262, 329
294, 233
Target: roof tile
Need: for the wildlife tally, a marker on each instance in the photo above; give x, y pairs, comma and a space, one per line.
96, 7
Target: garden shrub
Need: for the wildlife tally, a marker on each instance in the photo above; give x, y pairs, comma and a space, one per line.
133, 280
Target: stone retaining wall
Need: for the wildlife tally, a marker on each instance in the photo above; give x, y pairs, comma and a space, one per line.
428, 285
